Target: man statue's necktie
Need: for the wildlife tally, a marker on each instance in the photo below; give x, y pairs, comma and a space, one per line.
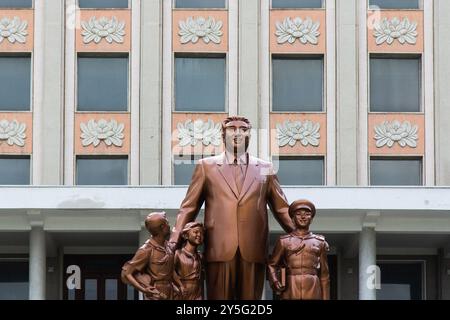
238, 175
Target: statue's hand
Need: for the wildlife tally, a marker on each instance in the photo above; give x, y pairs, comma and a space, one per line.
172, 246
155, 293
278, 287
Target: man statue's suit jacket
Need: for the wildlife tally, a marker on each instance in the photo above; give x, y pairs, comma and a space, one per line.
234, 219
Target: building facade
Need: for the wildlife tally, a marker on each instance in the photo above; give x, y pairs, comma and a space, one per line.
106, 105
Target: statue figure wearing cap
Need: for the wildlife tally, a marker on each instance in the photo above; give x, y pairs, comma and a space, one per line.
151, 269
303, 257
188, 263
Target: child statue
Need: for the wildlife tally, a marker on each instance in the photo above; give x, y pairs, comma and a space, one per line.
151, 269
188, 263
303, 255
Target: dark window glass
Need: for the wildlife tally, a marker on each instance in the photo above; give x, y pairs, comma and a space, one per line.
183, 168
200, 84
395, 4
308, 171
103, 3
16, 3
396, 172
14, 280
400, 281
200, 4
14, 170
15, 83
395, 84
102, 83
102, 171
297, 84
296, 3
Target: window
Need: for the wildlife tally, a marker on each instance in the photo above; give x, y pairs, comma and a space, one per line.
103, 3
15, 83
199, 3
395, 172
297, 84
401, 280
16, 3
297, 4
183, 168
102, 83
102, 170
308, 171
14, 280
14, 170
395, 4
395, 84
200, 84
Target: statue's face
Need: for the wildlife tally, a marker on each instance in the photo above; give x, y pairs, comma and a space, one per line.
302, 218
195, 236
165, 227
237, 136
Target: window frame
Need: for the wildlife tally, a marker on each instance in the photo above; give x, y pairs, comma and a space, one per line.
174, 7
206, 55
19, 8
290, 56
322, 7
96, 8
420, 7
101, 156
421, 78
278, 157
194, 157
27, 55
104, 55
421, 158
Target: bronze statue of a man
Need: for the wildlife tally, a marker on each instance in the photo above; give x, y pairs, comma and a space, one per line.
236, 189
151, 269
303, 255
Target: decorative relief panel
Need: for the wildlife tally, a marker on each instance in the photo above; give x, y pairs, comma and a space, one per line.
16, 30
297, 31
102, 133
298, 133
396, 134
16, 133
103, 31
393, 31
200, 31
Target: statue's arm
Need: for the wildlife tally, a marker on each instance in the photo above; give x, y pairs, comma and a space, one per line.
274, 264
324, 272
278, 203
191, 204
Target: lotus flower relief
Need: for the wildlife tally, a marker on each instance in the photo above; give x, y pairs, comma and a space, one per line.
207, 132
389, 133
290, 132
291, 30
192, 30
13, 30
111, 133
103, 28
12, 132
389, 30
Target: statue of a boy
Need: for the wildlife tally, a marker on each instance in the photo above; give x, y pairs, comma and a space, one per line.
151, 269
303, 255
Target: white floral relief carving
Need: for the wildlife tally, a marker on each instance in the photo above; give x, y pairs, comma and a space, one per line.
103, 28
111, 133
303, 30
207, 132
12, 132
307, 132
389, 30
389, 133
208, 30
14, 30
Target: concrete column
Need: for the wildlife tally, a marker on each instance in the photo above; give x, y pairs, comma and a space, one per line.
37, 265
367, 258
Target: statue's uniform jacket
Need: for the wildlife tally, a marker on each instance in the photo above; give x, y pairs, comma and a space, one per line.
234, 220
305, 261
188, 268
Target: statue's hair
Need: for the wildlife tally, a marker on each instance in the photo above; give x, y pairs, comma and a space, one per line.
154, 221
235, 118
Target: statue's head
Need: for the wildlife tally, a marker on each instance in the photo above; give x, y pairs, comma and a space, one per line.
236, 134
194, 233
157, 223
302, 213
